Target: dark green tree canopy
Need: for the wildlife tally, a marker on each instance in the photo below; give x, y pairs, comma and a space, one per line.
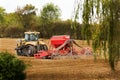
11, 68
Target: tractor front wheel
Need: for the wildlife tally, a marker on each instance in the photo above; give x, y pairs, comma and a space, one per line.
27, 50
18, 52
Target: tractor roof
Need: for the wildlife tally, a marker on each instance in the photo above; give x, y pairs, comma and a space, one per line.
34, 32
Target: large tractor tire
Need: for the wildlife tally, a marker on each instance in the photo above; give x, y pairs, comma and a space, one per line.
29, 50
20, 50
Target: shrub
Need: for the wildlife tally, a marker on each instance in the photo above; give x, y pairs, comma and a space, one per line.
11, 68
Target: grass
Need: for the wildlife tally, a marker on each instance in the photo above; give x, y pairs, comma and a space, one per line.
83, 68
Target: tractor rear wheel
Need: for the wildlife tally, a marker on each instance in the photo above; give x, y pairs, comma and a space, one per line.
30, 50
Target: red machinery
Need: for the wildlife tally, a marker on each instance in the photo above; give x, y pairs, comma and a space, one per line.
57, 41
59, 45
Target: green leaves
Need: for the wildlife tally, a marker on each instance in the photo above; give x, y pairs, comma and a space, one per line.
50, 13
100, 23
11, 68
2, 13
26, 16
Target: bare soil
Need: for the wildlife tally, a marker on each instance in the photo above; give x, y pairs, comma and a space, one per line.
83, 68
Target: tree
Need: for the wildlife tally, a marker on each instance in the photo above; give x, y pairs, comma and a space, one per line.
11, 68
2, 14
50, 13
102, 19
26, 16
13, 27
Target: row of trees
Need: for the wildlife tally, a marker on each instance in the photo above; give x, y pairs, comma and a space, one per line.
48, 22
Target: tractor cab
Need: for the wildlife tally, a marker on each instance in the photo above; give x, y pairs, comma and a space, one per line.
32, 36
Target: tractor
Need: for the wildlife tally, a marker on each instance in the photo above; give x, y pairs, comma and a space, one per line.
30, 45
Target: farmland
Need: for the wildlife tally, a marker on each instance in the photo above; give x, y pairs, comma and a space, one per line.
84, 67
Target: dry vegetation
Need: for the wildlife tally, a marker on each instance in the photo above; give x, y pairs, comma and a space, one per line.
64, 69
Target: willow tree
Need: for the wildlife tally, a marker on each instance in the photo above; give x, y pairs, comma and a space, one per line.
101, 18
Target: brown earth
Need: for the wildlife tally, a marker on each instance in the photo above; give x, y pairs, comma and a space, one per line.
83, 68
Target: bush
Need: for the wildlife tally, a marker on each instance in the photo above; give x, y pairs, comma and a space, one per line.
11, 68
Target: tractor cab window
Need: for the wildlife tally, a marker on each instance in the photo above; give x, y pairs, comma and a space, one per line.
31, 37
27, 37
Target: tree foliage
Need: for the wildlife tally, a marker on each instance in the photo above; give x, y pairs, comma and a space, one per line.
60, 28
26, 15
25, 19
50, 13
16, 23
2, 14
11, 68
102, 19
